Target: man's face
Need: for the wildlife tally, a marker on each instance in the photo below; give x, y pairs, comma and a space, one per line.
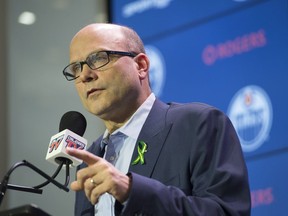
110, 91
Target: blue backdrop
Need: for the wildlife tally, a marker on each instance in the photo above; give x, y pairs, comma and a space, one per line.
232, 54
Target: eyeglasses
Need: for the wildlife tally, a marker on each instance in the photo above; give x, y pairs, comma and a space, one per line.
94, 61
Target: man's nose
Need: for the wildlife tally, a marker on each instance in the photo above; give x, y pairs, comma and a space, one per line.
87, 74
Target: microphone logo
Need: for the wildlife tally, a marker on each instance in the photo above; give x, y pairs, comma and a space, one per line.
55, 143
74, 143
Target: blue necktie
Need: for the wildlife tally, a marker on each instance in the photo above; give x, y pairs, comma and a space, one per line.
113, 143
110, 152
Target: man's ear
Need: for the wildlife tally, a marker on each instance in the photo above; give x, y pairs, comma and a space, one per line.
143, 65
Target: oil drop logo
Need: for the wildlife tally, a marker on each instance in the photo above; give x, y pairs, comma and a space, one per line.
250, 111
157, 69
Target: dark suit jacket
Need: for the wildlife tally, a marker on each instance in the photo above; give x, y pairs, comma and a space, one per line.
193, 166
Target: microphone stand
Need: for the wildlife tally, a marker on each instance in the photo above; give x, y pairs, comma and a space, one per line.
4, 183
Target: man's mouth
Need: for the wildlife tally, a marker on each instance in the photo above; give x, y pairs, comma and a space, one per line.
91, 91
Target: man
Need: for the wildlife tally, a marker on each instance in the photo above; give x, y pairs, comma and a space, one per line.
171, 159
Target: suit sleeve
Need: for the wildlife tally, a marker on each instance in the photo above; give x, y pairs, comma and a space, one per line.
217, 174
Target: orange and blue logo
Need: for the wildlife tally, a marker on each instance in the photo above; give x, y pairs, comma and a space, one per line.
250, 111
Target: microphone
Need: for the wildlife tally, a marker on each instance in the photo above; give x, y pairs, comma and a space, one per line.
72, 127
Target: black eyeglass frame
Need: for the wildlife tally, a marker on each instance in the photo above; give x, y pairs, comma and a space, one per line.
69, 77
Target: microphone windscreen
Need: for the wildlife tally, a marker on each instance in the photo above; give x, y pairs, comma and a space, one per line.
73, 121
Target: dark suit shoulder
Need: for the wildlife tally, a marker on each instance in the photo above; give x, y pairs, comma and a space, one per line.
195, 108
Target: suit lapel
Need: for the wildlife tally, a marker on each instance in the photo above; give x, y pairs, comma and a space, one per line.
95, 147
153, 133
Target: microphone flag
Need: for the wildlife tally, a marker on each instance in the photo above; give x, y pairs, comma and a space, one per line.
59, 142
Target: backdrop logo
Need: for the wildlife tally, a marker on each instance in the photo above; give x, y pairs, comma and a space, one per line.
251, 114
230, 48
157, 69
139, 6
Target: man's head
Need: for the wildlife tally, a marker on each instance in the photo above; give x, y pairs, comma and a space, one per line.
115, 90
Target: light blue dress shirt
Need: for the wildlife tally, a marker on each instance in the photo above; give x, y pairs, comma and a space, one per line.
124, 148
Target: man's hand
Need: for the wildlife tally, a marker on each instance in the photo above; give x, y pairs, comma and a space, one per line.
99, 177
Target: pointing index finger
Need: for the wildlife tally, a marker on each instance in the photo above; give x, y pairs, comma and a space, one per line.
84, 155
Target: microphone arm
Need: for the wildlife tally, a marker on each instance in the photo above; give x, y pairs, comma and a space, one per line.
24, 188
53, 176
4, 183
43, 174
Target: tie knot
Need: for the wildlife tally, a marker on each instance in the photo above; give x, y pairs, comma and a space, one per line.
105, 141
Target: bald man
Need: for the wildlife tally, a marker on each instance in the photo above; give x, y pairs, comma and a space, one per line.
168, 159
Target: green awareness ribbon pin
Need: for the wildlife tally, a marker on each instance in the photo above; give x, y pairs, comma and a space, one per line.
142, 148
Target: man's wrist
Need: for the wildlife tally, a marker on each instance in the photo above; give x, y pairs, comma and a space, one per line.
129, 188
